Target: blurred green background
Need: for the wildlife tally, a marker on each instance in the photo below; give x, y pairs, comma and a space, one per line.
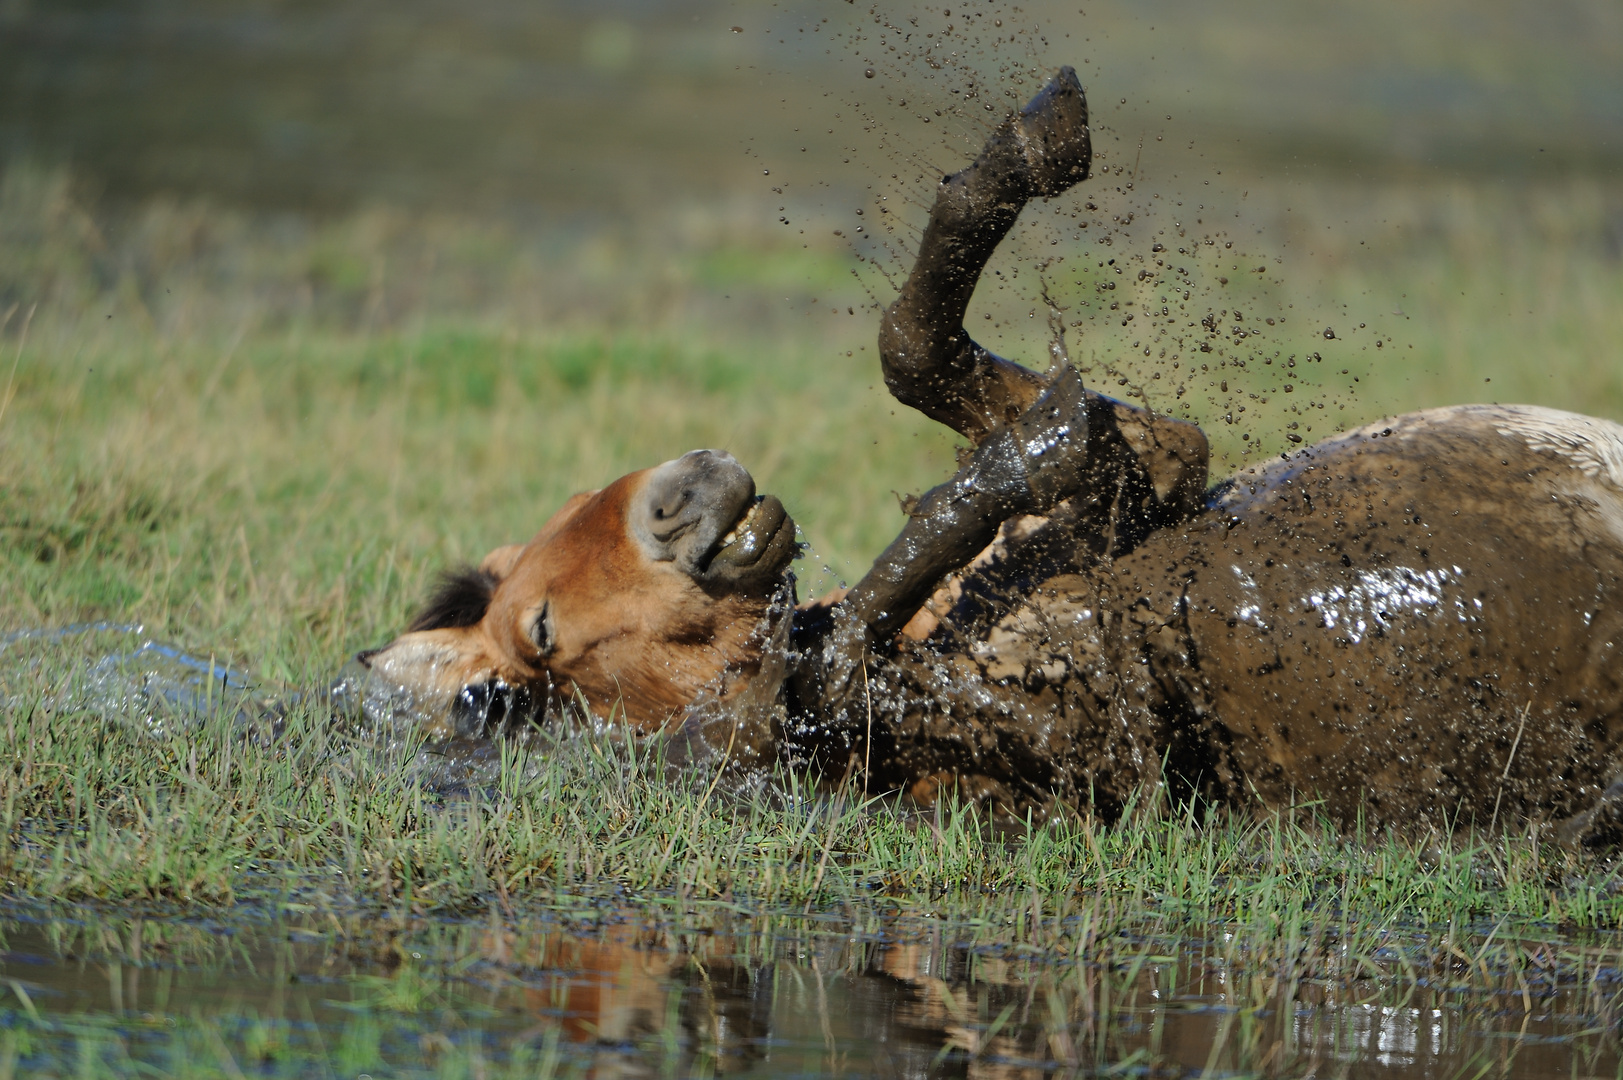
304, 300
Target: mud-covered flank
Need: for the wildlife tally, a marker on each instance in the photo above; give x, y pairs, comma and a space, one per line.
1415, 624
1419, 620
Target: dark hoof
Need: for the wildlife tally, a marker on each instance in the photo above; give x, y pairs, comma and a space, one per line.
1053, 135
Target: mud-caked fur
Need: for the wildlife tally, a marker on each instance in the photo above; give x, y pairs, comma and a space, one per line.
1417, 624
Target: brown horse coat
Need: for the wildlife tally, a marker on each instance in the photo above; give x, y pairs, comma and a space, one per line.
630, 600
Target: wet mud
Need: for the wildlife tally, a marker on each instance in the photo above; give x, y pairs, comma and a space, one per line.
1413, 625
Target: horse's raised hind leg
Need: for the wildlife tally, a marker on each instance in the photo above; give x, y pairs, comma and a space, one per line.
1039, 442
1138, 471
930, 361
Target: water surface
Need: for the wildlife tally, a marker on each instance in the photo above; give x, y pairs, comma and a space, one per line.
289, 988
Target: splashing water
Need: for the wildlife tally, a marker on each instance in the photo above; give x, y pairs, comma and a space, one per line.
145, 683
120, 674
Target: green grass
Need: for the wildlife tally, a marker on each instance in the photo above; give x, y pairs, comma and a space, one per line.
318, 829
97, 807
260, 441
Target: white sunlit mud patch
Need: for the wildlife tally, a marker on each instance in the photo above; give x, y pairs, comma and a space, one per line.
1250, 612
1379, 596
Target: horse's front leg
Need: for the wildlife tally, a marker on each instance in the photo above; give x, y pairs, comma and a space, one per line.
930, 361
1040, 440
1023, 467
1134, 470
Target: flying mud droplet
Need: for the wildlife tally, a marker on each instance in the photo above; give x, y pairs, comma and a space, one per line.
1329, 334
867, 73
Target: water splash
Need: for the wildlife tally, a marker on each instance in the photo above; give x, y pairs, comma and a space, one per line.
119, 673
149, 684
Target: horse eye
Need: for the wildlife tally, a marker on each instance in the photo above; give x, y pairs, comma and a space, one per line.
541, 631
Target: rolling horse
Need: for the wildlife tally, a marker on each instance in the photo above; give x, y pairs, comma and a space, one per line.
1415, 622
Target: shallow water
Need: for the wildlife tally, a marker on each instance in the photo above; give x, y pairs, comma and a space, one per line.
291, 989
120, 674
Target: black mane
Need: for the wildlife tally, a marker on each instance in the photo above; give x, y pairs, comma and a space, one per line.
460, 598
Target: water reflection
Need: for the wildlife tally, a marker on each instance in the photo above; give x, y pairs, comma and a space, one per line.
610, 994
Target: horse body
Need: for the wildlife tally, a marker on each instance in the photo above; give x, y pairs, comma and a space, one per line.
1420, 618
1417, 620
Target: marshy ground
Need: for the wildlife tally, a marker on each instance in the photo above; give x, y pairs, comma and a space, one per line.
261, 380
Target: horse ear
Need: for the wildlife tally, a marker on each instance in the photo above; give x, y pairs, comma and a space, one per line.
499, 563
460, 599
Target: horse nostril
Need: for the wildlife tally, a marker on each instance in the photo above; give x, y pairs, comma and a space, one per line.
711, 458
482, 707
364, 657
671, 506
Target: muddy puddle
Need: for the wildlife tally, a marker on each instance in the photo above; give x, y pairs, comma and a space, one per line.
284, 989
